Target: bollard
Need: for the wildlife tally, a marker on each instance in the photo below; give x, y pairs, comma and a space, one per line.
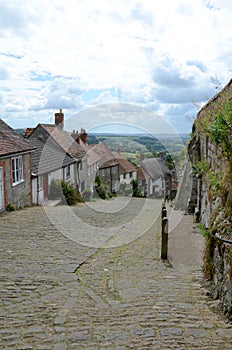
164, 212
164, 245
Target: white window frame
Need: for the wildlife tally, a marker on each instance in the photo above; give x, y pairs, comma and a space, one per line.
68, 172
17, 170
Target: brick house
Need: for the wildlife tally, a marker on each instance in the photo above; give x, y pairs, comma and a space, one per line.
15, 168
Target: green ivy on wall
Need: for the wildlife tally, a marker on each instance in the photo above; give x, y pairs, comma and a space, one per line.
216, 123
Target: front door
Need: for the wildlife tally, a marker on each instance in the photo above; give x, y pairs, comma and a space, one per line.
45, 186
1, 190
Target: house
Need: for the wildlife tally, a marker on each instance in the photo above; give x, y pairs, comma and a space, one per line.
49, 162
143, 179
89, 164
156, 185
68, 157
109, 174
15, 168
163, 181
108, 166
127, 171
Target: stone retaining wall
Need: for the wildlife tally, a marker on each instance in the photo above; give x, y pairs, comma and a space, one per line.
209, 208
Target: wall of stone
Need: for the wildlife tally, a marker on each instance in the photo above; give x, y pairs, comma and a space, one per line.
206, 202
221, 286
20, 195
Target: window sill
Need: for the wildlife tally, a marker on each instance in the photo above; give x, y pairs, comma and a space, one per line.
14, 184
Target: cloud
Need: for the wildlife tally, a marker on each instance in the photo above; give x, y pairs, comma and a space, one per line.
63, 92
200, 65
119, 113
182, 95
142, 14
15, 18
167, 73
77, 54
3, 74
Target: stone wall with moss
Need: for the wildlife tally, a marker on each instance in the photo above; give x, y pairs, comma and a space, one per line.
210, 151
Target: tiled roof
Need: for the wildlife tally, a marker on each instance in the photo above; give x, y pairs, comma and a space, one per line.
11, 142
48, 157
125, 166
109, 163
64, 140
142, 174
101, 153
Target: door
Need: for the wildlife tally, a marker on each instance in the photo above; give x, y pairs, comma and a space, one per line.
1, 190
45, 186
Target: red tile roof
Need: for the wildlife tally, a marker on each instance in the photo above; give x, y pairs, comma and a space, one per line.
125, 166
11, 142
142, 174
101, 153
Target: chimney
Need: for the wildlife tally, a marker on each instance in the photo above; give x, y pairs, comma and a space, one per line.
83, 135
59, 120
75, 136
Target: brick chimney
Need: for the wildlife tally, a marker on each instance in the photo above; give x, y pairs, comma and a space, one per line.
76, 136
59, 119
83, 135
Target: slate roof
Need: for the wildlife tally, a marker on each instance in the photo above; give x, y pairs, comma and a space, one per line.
11, 142
152, 167
47, 157
63, 139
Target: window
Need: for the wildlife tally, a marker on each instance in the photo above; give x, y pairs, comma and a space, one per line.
131, 174
17, 170
67, 172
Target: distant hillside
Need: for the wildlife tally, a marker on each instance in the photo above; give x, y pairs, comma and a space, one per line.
141, 143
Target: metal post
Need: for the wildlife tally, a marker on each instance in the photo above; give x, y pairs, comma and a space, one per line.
164, 245
164, 212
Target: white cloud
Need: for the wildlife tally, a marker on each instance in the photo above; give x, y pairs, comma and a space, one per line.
149, 53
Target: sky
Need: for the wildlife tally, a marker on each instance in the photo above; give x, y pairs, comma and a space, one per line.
156, 61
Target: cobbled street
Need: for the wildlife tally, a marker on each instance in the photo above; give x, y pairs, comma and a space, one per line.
91, 277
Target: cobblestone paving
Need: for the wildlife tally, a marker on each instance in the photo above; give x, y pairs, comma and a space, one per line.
59, 294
